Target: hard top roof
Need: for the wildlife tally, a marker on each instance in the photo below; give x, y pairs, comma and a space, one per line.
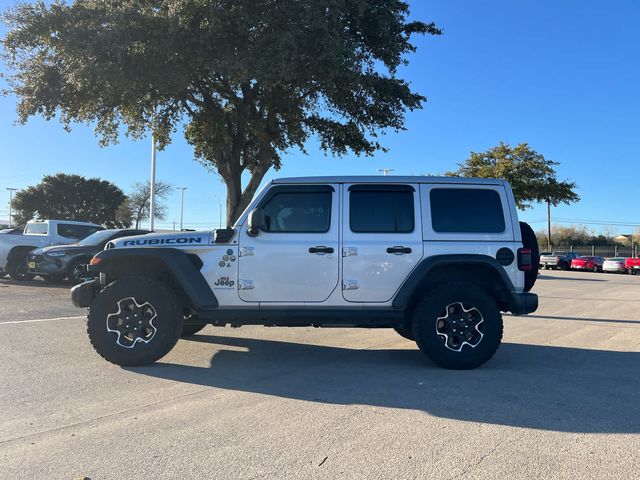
389, 179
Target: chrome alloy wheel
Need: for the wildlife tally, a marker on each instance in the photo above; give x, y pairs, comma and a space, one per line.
460, 325
133, 322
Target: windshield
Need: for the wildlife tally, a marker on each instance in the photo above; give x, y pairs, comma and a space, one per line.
97, 238
560, 253
617, 259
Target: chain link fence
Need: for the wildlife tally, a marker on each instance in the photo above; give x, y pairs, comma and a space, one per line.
606, 251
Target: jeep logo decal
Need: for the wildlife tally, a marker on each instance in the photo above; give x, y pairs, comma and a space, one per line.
163, 241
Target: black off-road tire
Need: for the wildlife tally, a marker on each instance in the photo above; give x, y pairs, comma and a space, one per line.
530, 241
168, 321
405, 331
433, 305
17, 268
188, 330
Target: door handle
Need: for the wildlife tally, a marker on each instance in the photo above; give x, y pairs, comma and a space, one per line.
398, 250
320, 250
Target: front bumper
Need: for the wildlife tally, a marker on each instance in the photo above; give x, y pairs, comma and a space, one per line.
523, 303
82, 295
42, 265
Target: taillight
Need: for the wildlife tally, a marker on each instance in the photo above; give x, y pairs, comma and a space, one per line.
524, 259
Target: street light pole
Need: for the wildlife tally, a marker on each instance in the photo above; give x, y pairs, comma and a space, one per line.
11, 190
182, 189
385, 170
548, 226
152, 183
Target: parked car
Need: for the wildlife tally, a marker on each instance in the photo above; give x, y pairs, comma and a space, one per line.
435, 258
561, 260
587, 263
614, 265
58, 262
541, 254
632, 265
38, 233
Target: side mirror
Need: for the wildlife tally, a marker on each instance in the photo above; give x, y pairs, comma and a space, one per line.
256, 222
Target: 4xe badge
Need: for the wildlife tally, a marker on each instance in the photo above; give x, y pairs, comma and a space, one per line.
224, 282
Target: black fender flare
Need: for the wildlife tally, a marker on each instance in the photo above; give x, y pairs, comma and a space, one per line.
406, 291
178, 263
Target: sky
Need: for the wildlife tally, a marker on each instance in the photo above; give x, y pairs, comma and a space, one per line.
561, 76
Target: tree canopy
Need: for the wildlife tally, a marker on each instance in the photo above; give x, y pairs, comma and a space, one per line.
532, 177
70, 197
248, 79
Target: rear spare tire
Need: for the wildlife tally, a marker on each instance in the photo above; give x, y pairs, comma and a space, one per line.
530, 241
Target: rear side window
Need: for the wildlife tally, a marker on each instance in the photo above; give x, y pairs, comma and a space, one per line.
466, 210
298, 212
76, 232
381, 209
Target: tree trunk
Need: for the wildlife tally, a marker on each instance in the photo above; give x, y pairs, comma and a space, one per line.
238, 199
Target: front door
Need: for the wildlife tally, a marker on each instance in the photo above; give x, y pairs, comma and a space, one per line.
295, 257
382, 239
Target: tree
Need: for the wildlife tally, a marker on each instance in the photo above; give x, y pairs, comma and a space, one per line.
139, 199
249, 79
70, 197
532, 177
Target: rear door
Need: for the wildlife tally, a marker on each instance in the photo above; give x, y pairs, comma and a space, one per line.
382, 239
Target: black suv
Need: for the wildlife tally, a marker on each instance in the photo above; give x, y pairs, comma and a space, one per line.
57, 262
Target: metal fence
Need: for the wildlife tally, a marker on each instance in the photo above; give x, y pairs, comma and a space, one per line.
600, 250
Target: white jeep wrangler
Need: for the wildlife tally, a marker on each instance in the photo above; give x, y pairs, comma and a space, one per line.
437, 259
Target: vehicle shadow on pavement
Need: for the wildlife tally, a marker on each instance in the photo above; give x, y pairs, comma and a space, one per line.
542, 387
547, 277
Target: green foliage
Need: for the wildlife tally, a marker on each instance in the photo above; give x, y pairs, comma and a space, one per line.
71, 197
249, 79
532, 177
138, 201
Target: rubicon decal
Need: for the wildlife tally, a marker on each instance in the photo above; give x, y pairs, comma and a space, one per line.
163, 241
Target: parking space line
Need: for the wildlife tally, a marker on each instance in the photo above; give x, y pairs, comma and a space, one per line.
42, 320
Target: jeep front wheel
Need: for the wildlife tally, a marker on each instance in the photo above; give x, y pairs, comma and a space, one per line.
134, 321
457, 325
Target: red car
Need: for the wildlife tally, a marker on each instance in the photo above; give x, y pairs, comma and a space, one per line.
632, 265
587, 263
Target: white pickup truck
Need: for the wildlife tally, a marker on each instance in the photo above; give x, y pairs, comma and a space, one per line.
38, 233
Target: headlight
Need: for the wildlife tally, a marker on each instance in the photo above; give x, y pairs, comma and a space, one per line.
56, 254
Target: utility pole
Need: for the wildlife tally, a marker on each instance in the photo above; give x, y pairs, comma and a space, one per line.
182, 189
385, 170
548, 225
152, 182
11, 190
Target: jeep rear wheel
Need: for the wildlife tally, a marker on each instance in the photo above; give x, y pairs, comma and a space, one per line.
134, 321
457, 325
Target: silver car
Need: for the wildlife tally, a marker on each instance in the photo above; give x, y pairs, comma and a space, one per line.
614, 265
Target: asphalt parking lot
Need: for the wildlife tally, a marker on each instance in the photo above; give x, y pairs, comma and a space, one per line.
561, 399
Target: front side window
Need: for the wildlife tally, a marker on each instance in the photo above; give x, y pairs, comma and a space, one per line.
298, 212
381, 209
466, 210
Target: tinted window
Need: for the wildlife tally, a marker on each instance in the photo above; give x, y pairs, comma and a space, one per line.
298, 212
383, 209
466, 210
76, 232
36, 228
